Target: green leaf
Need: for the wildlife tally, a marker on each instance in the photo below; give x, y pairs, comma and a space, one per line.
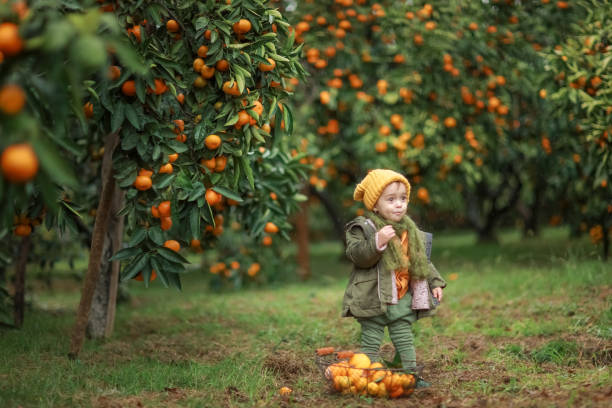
70, 209
232, 120
246, 168
172, 256
124, 169
138, 237
177, 146
129, 139
129, 57
198, 134
253, 114
126, 253
146, 276
170, 267
117, 117
225, 28
139, 263
238, 46
163, 181
132, 116
53, 164
213, 50
57, 35
236, 178
272, 107
196, 193
288, 118
249, 135
259, 135
140, 91
156, 235
69, 223
143, 146
194, 221
206, 213
174, 280
159, 270
201, 23
277, 57
240, 81
156, 152
238, 69
88, 52
274, 13
300, 198
228, 193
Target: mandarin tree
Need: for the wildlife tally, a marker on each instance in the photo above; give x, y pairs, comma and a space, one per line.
48, 49
446, 93
582, 93
179, 73
192, 138
40, 107
223, 150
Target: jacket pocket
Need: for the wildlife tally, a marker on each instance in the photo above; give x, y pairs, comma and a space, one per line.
365, 293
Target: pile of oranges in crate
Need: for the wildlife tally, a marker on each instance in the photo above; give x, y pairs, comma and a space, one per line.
354, 373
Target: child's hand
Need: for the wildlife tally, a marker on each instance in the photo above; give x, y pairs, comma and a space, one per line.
385, 234
437, 293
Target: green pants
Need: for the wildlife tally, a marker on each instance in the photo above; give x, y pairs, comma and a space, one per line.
398, 319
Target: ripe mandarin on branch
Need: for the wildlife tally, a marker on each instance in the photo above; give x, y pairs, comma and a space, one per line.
212, 142
172, 245
267, 67
172, 26
22, 230
143, 183
10, 40
129, 88
12, 99
19, 163
212, 197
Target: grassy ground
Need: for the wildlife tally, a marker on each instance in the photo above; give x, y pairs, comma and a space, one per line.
527, 323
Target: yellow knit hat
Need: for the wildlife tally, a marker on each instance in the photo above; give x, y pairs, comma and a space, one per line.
372, 186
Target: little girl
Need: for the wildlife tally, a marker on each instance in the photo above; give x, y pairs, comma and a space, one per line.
392, 276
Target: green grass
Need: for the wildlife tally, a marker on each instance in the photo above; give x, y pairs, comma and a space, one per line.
517, 319
558, 352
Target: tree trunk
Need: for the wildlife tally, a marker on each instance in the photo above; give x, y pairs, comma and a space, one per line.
531, 218
473, 211
303, 241
332, 211
117, 240
485, 206
487, 233
606, 239
531, 225
97, 246
20, 274
102, 313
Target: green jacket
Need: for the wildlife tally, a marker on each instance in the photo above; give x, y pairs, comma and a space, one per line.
369, 289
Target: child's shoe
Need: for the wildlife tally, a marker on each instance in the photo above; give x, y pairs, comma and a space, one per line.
421, 383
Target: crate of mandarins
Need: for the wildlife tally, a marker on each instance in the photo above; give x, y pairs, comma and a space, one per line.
348, 372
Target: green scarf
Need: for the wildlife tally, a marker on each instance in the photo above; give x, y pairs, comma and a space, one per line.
392, 257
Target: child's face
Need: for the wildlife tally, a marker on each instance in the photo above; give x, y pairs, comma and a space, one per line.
393, 202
